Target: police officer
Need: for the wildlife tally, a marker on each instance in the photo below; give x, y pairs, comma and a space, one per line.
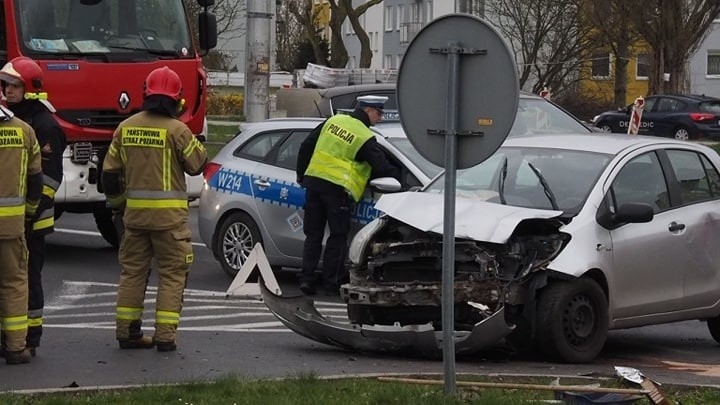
144, 180
22, 83
20, 190
335, 162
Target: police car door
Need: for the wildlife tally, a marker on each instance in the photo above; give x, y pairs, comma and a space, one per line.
278, 198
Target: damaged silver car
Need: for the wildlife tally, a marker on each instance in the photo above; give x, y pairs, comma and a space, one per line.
559, 239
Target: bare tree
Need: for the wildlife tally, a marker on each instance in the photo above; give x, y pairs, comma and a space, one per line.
547, 38
674, 29
611, 21
307, 15
227, 12
353, 14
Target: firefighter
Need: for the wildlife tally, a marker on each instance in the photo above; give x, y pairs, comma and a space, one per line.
144, 180
20, 191
335, 162
22, 84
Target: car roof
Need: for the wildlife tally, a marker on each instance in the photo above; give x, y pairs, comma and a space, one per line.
693, 97
592, 142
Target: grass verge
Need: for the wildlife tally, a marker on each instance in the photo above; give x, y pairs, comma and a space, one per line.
218, 136
309, 389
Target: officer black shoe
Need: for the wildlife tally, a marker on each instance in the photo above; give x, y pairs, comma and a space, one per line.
307, 288
20, 357
166, 346
143, 342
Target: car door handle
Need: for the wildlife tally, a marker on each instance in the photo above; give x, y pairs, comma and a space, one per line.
262, 183
674, 226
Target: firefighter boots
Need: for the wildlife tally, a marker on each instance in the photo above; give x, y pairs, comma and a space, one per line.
19, 357
143, 342
166, 346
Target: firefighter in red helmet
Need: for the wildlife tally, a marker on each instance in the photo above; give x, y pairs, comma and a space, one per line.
144, 180
22, 84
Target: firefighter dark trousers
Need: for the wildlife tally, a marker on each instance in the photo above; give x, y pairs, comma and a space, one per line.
333, 209
36, 301
13, 292
173, 255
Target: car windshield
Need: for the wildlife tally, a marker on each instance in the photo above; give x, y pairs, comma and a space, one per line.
538, 116
541, 178
105, 29
406, 148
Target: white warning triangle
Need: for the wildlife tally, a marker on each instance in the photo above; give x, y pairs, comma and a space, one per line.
257, 259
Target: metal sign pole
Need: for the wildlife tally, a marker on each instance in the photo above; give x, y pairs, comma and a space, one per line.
448, 271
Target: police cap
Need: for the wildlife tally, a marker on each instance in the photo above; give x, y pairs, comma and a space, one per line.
372, 101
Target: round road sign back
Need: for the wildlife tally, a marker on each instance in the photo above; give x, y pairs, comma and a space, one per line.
487, 95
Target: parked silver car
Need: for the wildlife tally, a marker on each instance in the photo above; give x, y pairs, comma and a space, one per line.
559, 238
250, 194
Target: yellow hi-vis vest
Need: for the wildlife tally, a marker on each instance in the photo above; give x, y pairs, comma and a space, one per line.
334, 156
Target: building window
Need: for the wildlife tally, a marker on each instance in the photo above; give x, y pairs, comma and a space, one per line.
643, 66
389, 18
600, 66
428, 11
387, 61
474, 7
400, 16
713, 62
414, 13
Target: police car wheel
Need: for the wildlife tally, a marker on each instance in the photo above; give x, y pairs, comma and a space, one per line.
236, 238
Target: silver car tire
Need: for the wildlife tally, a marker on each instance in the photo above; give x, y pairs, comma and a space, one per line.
236, 238
572, 320
605, 127
681, 134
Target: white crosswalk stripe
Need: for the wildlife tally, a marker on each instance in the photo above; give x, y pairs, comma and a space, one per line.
91, 305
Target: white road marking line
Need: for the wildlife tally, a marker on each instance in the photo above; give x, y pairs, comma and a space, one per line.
95, 233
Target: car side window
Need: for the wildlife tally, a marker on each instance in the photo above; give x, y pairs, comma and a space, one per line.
641, 180
288, 151
696, 176
669, 105
260, 145
649, 103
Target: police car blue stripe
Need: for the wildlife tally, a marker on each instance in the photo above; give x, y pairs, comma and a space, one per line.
280, 192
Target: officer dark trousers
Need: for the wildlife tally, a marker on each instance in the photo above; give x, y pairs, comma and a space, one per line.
36, 301
333, 208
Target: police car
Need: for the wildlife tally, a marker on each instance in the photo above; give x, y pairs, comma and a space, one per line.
250, 195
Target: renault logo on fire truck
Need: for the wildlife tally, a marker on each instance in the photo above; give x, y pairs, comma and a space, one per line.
124, 100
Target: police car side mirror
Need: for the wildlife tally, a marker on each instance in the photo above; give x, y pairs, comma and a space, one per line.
385, 185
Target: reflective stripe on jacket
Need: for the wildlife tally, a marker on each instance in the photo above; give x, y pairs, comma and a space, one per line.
152, 152
334, 156
19, 158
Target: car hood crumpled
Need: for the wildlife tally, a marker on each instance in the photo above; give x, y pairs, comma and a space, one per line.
474, 218
300, 315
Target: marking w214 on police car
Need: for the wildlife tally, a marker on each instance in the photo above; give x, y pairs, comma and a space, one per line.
234, 182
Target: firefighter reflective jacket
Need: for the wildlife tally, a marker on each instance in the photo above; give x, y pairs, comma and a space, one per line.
151, 154
21, 183
52, 145
334, 156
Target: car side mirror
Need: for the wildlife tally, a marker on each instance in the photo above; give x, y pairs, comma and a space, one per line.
630, 213
385, 185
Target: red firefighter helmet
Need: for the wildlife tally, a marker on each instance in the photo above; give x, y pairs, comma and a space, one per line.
165, 82
23, 70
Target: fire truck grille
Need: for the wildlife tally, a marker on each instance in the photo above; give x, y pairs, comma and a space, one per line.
96, 119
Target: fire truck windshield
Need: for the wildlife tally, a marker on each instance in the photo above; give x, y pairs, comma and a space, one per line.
149, 28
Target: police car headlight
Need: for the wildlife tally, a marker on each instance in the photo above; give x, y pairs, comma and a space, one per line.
362, 238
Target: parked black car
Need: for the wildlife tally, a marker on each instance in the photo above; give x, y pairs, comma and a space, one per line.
677, 116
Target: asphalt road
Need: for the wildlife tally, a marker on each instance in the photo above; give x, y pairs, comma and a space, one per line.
237, 335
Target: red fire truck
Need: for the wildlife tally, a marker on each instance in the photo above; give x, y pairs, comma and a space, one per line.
95, 55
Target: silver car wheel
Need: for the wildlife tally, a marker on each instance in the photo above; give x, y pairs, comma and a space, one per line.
682, 134
237, 244
237, 236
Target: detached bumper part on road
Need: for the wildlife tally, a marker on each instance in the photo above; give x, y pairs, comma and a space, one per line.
300, 315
